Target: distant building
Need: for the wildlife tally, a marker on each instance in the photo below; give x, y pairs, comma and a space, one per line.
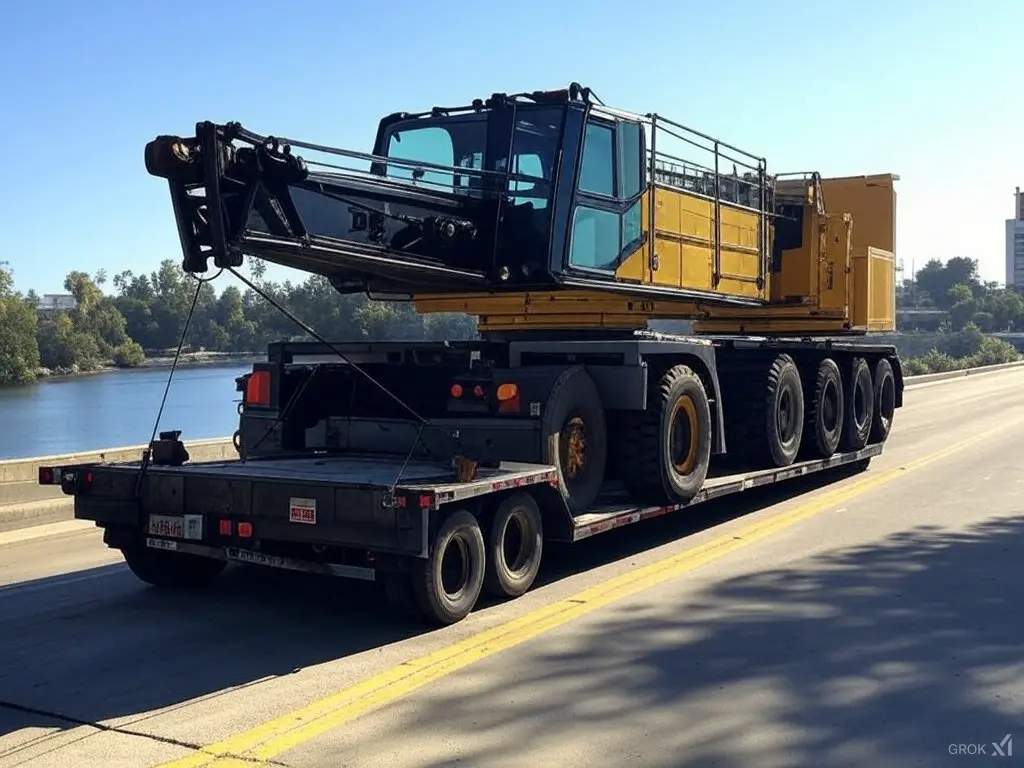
1015, 244
52, 302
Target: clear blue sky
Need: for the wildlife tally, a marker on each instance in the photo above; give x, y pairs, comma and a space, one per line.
932, 91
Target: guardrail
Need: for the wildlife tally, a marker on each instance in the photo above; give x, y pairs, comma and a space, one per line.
25, 503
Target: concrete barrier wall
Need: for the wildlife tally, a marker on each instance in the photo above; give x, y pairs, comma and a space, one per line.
927, 377
23, 502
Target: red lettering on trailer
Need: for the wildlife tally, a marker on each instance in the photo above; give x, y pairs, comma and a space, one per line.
302, 511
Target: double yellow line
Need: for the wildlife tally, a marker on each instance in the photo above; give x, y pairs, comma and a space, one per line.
288, 731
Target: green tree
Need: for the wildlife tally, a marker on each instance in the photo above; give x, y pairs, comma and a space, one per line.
64, 348
937, 279
129, 355
19, 351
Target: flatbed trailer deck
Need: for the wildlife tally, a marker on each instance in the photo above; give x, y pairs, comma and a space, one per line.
347, 516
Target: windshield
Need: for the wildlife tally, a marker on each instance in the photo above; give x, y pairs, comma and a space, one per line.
461, 142
451, 142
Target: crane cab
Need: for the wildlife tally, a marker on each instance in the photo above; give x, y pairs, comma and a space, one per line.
576, 189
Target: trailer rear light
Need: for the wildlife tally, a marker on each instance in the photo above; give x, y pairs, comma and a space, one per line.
245, 530
225, 527
478, 391
47, 476
508, 398
456, 390
257, 388
426, 501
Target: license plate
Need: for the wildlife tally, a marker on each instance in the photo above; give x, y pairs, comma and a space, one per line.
175, 527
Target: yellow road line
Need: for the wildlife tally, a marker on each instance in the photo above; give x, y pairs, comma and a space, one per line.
283, 733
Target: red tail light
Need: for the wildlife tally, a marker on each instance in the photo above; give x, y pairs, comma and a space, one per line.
257, 388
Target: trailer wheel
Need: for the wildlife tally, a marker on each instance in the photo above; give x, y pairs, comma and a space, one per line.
575, 437
859, 406
667, 449
825, 417
447, 584
885, 402
171, 570
784, 411
515, 545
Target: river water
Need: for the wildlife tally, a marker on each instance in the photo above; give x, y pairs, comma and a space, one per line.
117, 408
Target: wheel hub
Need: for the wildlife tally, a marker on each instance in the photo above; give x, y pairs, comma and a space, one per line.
575, 458
455, 568
684, 436
786, 416
514, 548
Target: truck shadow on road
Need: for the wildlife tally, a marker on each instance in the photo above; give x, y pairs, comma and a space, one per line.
904, 652
96, 646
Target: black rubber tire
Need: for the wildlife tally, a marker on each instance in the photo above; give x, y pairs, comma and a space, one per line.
784, 400
574, 396
884, 402
171, 570
859, 406
459, 529
519, 516
825, 416
650, 470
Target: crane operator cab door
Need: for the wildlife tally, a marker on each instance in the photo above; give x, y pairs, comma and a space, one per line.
604, 235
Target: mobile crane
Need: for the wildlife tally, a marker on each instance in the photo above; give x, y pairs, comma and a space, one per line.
565, 226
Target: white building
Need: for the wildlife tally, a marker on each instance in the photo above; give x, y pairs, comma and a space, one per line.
51, 302
1015, 244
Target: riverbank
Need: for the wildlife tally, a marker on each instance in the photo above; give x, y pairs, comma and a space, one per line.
187, 359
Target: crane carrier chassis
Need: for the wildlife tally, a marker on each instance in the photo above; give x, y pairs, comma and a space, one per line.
564, 226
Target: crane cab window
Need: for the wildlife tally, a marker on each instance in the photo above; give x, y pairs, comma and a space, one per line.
597, 171
455, 144
607, 220
595, 238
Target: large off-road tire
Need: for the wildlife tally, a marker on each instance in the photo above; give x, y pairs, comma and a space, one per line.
575, 437
859, 406
824, 426
171, 570
666, 450
783, 411
884, 402
448, 583
515, 543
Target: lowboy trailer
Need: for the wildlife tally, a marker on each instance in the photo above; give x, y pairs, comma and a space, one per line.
436, 532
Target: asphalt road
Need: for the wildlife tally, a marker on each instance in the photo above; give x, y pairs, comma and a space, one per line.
876, 621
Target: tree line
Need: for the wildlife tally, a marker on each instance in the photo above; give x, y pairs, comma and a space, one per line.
144, 316
956, 288
140, 315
